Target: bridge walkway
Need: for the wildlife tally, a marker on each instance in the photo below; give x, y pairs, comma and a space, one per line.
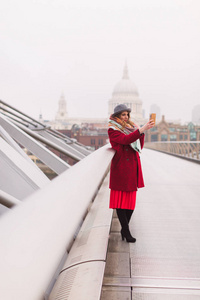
164, 263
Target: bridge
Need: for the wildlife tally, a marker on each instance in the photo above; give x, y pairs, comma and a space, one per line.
60, 241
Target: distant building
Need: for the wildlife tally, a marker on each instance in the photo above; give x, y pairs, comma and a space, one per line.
62, 121
154, 108
196, 114
92, 140
61, 114
92, 132
88, 135
167, 131
125, 92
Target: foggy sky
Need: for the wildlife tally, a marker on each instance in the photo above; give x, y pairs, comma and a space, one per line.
79, 48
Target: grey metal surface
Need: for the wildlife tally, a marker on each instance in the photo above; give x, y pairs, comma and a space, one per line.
81, 282
171, 283
19, 177
164, 294
10, 111
46, 156
117, 293
116, 245
166, 222
15, 115
49, 143
165, 260
43, 227
117, 281
3, 209
12, 142
8, 200
81, 148
115, 225
91, 242
117, 264
19, 117
189, 150
89, 247
70, 141
69, 148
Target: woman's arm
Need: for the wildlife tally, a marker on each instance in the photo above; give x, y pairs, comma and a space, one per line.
147, 126
121, 138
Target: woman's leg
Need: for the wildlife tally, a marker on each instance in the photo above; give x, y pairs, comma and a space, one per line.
121, 213
129, 213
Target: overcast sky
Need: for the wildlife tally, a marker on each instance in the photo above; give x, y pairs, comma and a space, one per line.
79, 48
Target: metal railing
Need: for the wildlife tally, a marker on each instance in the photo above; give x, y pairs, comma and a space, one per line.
186, 149
40, 132
8, 200
36, 234
19, 174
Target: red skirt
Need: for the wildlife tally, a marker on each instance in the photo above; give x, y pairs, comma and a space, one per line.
121, 199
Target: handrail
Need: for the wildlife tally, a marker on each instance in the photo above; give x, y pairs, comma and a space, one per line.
8, 200
20, 112
184, 149
35, 235
12, 111
87, 256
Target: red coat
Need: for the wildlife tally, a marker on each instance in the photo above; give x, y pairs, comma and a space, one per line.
126, 171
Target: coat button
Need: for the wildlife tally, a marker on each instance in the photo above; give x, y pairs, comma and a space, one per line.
126, 149
127, 158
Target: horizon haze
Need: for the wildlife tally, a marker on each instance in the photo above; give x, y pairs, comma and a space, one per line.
50, 47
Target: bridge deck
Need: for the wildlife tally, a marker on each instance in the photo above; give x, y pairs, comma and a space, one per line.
164, 263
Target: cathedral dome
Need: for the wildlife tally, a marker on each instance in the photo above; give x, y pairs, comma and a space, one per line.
125, 86
126, 92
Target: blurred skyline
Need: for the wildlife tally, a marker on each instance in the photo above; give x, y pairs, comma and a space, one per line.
50, 47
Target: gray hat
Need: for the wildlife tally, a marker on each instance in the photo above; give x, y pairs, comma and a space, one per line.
120, 108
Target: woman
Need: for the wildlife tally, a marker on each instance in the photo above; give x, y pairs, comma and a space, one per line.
126, 177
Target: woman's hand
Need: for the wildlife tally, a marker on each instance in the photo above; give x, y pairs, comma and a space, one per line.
147, 126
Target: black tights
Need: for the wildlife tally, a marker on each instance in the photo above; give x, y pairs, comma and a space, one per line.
124, 216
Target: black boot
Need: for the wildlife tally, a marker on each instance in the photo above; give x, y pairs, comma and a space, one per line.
129, 213
125, 233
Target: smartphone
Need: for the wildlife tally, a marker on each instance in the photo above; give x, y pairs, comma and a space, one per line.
153, 117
